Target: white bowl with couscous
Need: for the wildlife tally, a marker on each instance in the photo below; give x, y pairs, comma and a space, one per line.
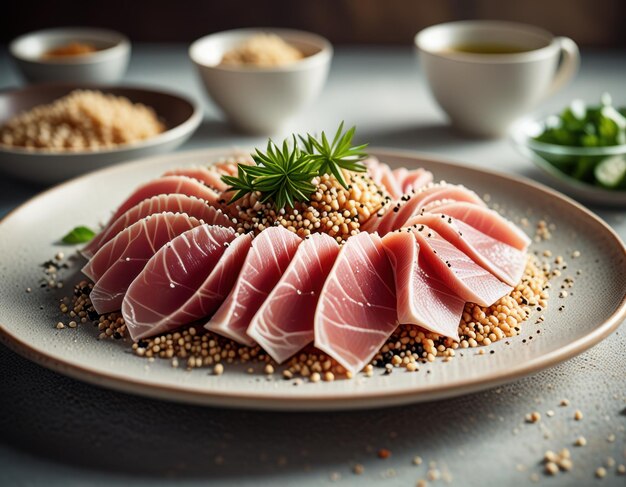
242, 73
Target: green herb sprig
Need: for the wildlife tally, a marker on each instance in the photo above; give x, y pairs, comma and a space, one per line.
285, 175
77, 235
333, 158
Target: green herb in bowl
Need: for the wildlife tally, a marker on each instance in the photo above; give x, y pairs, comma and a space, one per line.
589, 141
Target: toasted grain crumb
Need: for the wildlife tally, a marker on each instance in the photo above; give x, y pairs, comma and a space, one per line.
384, 453
533, 417
551, 468
564, 402
578, 415
550, 456
358, 469
433, 474
565, 464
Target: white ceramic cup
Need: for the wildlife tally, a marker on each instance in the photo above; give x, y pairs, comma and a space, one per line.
484, 93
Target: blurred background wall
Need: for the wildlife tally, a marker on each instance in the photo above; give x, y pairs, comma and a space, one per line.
592, 23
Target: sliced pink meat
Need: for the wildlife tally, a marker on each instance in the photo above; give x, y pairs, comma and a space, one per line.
503, 261
187, 279
412, 204
382, 175
468, 280
120, 261
356, 312
486, 221
212, 179
272, 250
422, 298
168, 185
175, 203
284, 323
412, 180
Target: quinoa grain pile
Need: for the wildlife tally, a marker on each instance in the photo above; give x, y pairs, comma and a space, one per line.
82, 120
333, 209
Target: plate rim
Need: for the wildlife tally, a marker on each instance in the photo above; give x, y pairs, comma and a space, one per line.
325, 401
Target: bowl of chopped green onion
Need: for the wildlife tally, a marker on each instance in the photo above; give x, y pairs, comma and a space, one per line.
583, 148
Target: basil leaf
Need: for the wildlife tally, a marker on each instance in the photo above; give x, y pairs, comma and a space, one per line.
80, 234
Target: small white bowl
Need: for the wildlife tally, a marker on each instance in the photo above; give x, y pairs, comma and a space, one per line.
107, 65
262, 100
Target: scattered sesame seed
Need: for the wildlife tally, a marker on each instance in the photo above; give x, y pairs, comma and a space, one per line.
417, 460
578, 415
218, 369
269, 369
600, 472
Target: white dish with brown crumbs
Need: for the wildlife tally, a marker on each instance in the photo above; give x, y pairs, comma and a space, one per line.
51, 133
566, 327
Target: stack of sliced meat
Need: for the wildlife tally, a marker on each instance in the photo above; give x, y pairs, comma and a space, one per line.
170, 257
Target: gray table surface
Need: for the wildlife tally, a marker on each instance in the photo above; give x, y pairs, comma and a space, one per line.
57, 431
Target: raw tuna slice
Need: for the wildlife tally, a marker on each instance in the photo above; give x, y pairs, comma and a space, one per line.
382, 175
175, 203
503, 261
487, 221
456, 270
356, 312
179, 284
422, 298
284, 323
212, 179
412, 180
168, 185
271, 252
412, 204
121, 260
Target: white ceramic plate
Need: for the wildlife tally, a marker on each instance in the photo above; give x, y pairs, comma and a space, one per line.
28, 236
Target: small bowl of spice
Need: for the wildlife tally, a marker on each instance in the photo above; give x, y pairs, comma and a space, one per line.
77, 55
261, 78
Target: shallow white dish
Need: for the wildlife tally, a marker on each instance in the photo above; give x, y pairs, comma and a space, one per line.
522, 136
28, 236
107, 65
180, 115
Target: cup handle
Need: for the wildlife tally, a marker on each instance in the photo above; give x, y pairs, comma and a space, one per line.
568, 66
